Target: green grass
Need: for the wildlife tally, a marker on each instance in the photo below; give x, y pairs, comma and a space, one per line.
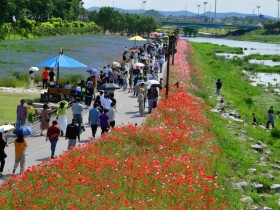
9, 102
257, 36
237, 157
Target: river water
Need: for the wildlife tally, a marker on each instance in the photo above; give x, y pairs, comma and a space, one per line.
92, 50
266, 79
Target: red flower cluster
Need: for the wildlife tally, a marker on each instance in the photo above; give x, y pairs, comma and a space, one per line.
164, 164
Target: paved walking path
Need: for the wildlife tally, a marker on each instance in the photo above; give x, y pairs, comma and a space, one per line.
39, 149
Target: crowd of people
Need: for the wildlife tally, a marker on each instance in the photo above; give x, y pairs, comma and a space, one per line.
140, 64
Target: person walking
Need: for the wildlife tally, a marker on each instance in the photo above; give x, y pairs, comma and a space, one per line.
161, 62
52, 135
111, 114
3, 155
32, 78
218, 86
21, 113
104, 122
20, 146
51, 75
30, 114
270, 119
77, 110
125, 78
45, 77
93, 118
89, 95
72, 133
45, 118
62, 115
152, 98
130, 79
141, 96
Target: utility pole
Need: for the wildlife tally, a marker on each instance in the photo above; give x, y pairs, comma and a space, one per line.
205, 2
278, 9
171, 50
198, 6
258, 10
187, 11
144, 2
215, 9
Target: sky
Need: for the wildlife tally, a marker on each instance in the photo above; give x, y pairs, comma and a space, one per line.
267, 7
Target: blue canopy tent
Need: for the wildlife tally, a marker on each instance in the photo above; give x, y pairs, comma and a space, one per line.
62, 61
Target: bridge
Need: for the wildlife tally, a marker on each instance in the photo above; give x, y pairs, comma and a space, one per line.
210, 25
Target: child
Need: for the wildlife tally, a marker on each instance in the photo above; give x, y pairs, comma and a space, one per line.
254, 119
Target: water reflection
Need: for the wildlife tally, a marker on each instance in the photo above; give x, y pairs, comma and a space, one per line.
248, 47
265, 79
264, 62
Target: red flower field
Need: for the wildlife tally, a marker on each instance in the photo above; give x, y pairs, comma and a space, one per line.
166, 163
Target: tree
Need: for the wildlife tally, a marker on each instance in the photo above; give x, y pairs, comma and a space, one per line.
105, 18
4, 12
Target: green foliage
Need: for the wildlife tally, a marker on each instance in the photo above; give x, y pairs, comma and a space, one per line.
114, 21
249, 101
275, 133
191, 30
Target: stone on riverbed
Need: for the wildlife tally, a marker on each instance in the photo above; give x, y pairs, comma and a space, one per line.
247, 200
275, 187
257, 147
275, 166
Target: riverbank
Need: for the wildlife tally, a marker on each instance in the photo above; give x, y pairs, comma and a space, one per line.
248, 173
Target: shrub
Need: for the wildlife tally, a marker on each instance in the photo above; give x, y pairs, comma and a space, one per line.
275, 133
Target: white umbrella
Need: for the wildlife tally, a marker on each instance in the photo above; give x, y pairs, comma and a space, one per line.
152, 82
34, 69
138, 65
116, 64
4, 128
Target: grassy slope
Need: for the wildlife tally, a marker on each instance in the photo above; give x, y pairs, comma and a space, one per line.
246, 99
9, 102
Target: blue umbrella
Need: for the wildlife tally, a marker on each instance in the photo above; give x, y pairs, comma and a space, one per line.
93, 71
62, 61
23, 130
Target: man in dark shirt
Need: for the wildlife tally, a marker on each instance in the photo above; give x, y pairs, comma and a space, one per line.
51, 75
72, 133
218, 86
89, 94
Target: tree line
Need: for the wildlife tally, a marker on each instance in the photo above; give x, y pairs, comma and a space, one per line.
65, 17
115, 21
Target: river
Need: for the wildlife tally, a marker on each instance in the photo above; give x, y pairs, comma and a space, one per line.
248, 47
266, 79
92, 50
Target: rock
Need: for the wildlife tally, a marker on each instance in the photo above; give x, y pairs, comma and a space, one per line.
268, 176
255, 208
247, 200
275, 187
278, 202
215, 111
257, 147
264, 158
262, 126
268, 152
275, 166
259, 187
251, 139
234, 114
252, 170
244, 132
262, 144
263, 164
277, 161
242, 186
266, 208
